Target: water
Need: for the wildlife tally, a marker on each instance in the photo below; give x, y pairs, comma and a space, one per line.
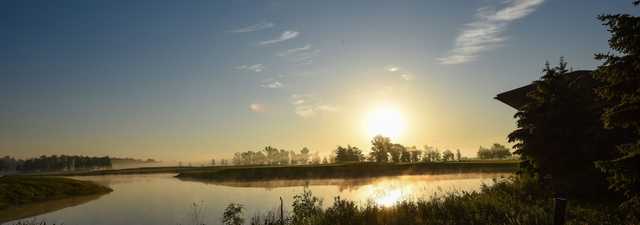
163, 199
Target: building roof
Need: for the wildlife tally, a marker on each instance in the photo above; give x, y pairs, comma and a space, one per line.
517, 98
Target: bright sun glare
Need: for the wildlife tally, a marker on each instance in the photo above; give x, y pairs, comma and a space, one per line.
386, 121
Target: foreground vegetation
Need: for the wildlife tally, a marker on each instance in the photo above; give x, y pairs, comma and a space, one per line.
20, 190
347, 170
508, 201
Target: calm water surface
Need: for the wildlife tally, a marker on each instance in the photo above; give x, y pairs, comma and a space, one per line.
163, 199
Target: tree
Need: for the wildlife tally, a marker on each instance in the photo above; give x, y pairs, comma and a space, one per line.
271, 154
348, 154
497, 151
447, 155
213, 162
431, 154
304, 156
415, 154
620, 77
405, 155
315, 159
458, 155
396, 151
559, 134
380, 150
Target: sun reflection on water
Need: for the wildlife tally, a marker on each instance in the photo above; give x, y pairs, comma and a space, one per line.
387, 193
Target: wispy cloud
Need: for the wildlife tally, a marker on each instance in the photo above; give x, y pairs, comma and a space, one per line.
272, 84
254, 27
286, 35
255, 67
487, 31
406, 76
256, 107
300, 56
391, 68
306, 105
294, 50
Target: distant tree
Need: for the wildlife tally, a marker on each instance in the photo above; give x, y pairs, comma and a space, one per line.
213, 162
405, 155
325, 161
414, 154
315, 159
396, 151
458, 155
348, 154
380, 150
272, 155
559, 133
620, 75
497, 151
500, 151
304, 156
447, 155
62, 162
431, 154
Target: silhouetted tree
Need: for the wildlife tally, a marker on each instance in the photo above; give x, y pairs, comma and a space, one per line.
405, 155
447, 155
395, 152
620, 75
348, 154
415, 154
497, 151
380, 150
304, 156
458, 155
431, 154
559, 133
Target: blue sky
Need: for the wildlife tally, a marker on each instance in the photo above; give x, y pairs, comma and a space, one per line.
198, 79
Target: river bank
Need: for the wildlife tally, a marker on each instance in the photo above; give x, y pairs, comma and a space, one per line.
17, 192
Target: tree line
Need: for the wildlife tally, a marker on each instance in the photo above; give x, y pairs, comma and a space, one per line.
54, 163
274, 156
382, 151
496, 151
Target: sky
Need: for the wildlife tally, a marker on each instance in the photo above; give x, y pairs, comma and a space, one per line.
189, 80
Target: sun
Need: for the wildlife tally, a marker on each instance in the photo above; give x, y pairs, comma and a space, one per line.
386, 121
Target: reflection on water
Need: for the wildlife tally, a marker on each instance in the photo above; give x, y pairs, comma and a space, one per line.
163, 199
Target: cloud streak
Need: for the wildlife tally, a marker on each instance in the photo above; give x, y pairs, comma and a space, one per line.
255, 27
273, 85
286, 35
255, 67
294, 50
487, 31
306, 105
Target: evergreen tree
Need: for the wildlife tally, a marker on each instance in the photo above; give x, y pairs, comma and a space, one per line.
620, 74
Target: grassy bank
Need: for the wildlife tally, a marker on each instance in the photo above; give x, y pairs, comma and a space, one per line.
350, 170
510, 201
21, 190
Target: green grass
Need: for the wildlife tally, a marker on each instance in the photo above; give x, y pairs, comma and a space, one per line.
347, 170
21, 190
